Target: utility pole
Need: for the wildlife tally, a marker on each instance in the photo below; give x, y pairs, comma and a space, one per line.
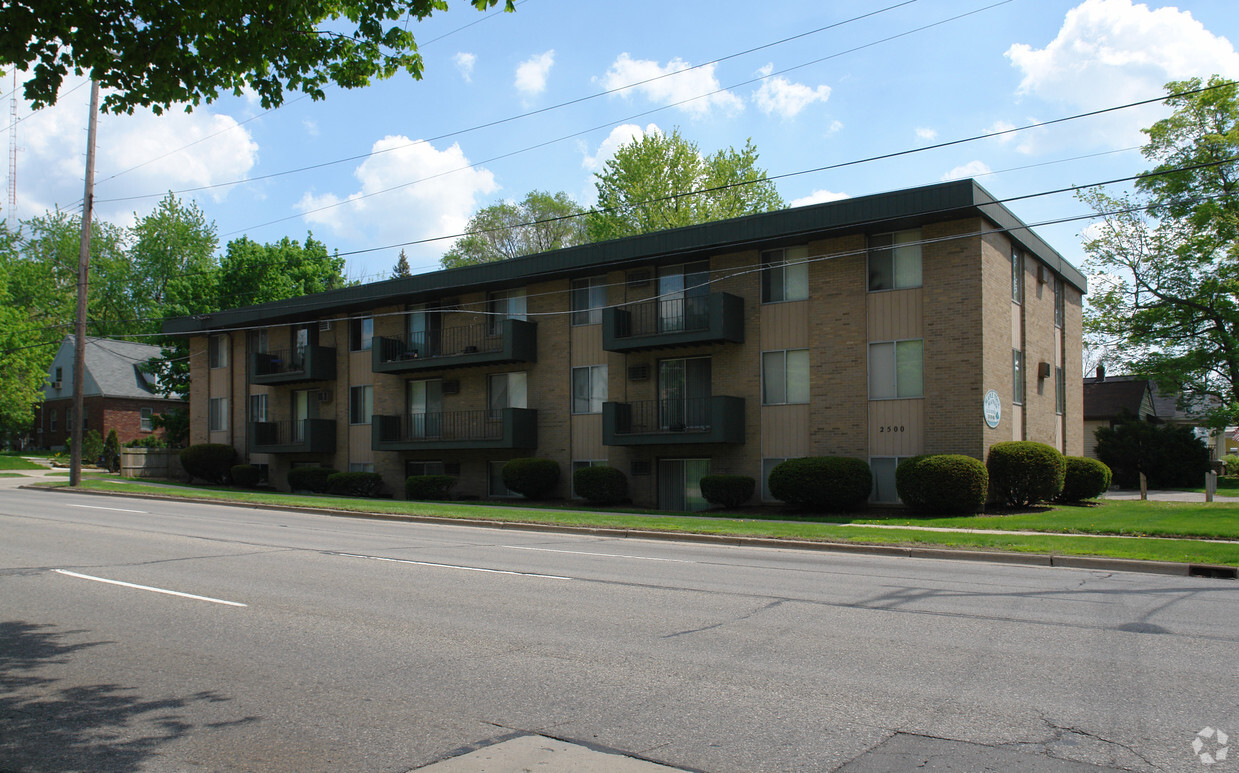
83, 268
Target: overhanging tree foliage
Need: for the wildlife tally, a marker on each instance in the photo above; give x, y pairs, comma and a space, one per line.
155, 54
540, 222
1164, 262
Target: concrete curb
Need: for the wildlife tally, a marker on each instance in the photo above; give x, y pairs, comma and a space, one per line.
1101, 563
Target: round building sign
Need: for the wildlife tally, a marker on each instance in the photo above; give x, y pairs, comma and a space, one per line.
993, 409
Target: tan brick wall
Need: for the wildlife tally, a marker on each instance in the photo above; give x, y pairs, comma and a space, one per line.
1073, 359
996, 322
838, 349
1041, 345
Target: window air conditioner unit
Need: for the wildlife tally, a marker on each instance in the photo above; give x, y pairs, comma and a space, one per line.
451, 387
324, 324
639, 277
1043, 370
638, 372
325, 395
55, 385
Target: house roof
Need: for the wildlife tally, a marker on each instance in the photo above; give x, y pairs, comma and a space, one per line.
878, 213
1113, 396
113, 369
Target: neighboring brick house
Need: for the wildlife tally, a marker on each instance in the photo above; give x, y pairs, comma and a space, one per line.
1109, 400
116, 393
928, 320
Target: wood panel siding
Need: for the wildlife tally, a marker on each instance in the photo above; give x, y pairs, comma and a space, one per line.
784, 431
587, 437
896, 315
896, 427
785, 325
585, 345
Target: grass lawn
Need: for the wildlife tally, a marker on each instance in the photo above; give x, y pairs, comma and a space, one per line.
11, 475
14, 462
1180, 519
1226, 486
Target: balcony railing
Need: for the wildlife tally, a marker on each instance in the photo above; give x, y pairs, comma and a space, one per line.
717, 419
315, 436
508, 428
513, 340
703, 319
293, 366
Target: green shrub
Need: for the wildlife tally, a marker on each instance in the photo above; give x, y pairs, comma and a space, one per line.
1232, 464
943, 484
246, 475
428, 486
355, 484
1024, 472
1086, 479
727, 490
534, 478
111, 452
309, 478
92, 446
209, 461
830, 483
147, 441
1171, 457
600, 484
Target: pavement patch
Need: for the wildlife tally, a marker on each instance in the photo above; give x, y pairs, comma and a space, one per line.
539, 754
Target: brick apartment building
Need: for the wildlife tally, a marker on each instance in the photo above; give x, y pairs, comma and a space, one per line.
927, 320
117, 394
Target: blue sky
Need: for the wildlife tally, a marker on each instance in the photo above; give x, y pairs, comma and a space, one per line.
410, 161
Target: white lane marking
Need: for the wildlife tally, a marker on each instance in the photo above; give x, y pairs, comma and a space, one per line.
149, 588
452, 566
607, 555
114, 509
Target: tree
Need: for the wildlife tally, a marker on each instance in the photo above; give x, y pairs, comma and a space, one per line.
158, 54
26, 346
401, 269
252, 273
1165, 260
540, 222
662, 181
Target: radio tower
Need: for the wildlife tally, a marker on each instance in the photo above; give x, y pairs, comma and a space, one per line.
13, 147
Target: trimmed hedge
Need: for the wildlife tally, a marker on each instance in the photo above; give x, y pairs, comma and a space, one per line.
830, 483
1171, 456
246, 475
355, 484
1024, 472
1086, 479
534, 478
943, 484
727, 490
309, 478
600, 484
428, 486
211, 462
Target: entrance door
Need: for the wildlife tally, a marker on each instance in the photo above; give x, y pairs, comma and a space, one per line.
684, 393
425, 409
423, 332
682, 292
679, 484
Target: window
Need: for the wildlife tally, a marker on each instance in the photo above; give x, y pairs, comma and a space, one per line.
144, 420
217, 414
505, 390
895, 260
361, 466
360, 404
259, 341
883, 469
1017, 376
509, 304
361, 334
588, 298
52, 420
785, 275
767, 465
422, 468
68, 419
896, 369
495, 486
589, 388
785, 377
59, 375
217, 351
1060, 302
258, 408
1017, 276
1060, 391
581, 465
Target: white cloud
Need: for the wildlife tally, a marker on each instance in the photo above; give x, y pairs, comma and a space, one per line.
1110, 52
779, 95
136, 155
409, 210
835, 126
531, 73
927, 134
695, 91
970, 169
464, 63
311, 127
620, 135
819, 197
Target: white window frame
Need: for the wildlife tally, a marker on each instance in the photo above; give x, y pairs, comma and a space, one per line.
258, 408
361, 466
903, 256
1017, 276
145, 415
893, 392
593, 292
1060, 302
785, 275
51, 426
217, 351
1018, 392
1060, 391
510, 379
361, 334
508, 304
217, 414
873, 493
798, 396
594, 379
768, 463
365, 394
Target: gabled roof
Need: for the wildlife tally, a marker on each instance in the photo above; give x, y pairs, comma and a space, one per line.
1113, 396
113, 369
878, 213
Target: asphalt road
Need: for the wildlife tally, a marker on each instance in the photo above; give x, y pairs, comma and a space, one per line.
366, 645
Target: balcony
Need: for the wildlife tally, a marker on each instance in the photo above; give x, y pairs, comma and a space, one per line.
302, 436
293, 366
457, 347
510, 428
672, 422
707, 319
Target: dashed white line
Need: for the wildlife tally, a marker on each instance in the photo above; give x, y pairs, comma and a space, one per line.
606, 555
452, 566
66, 572
113, 509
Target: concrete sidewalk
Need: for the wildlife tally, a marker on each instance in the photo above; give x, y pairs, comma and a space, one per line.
1167, 496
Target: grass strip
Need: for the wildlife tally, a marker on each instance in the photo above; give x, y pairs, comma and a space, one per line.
1143, 548
17, 463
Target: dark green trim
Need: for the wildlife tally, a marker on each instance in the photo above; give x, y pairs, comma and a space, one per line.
725, 324
726, 426
318, 364
318, 437
519, 430
518, 342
